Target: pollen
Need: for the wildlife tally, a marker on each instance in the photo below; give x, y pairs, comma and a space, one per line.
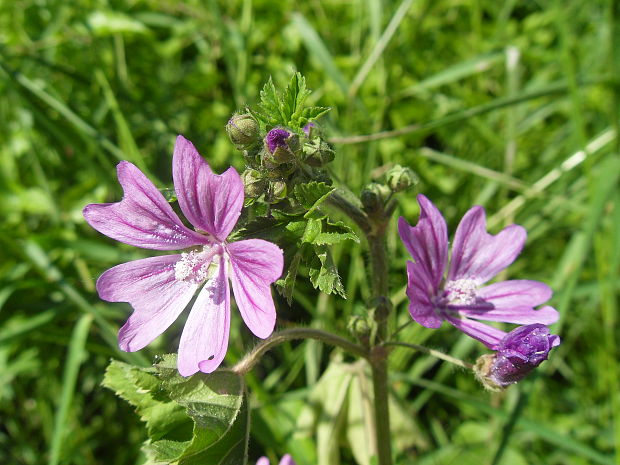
196, 266
461, 291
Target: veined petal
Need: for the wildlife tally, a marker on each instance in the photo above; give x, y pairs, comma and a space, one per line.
204, 340
427, 242
263, 461
142, 218
209, 201
515, 293
150, 287
419, 291
478, 255
520, 315
513, 302
486, 334
255, 265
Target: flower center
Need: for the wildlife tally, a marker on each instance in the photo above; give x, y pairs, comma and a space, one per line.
197, 265
461, 291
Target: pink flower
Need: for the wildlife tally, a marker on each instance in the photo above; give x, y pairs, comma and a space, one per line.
476, 258
159, 288
286, 460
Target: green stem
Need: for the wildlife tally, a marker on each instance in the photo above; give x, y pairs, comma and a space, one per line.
250, 360
432, 352
378, 358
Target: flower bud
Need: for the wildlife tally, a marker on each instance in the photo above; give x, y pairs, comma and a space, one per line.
253, 183
277, 191
521, 350
282, 145
374, 196
317, 152
243, 131
400, 178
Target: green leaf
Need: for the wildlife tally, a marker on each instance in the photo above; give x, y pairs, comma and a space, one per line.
325, 277
199, 419
293, 99
135, 385
269, 105
334, 233
287, 285
312, 230
310, 114
312, 194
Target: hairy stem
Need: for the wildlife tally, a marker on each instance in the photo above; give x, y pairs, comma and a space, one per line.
250, 360
378, 359
432, 352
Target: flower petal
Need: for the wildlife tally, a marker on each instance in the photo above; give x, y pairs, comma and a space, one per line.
142, 218
486, 334
150, 287
513, 302
263, 461
479, 256
209, 201
419, 291
255, 265
287, 460
205, 336
427, 242
518, 315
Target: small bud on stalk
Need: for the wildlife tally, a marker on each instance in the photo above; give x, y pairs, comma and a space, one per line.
254, 184
399, 178
374, 196
243, 131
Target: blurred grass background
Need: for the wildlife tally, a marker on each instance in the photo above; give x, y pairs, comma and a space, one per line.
513, 105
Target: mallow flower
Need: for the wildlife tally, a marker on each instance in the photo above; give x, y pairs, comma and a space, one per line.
461, 296
286, 460
159, 288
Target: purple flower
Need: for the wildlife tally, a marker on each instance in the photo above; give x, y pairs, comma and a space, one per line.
159, 288
286, 460
308, 127
476, 258
277, 138
522, 350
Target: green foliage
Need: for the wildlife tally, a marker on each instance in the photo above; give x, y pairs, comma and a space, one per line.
194, 420
286, 109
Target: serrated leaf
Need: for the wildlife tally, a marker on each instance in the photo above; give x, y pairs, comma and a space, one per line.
310, 114
269, 229
199, 419
325, 277
334, 233
330, 238
269, 104
312, 194
139, 387
312, 230
293, 99
287, 285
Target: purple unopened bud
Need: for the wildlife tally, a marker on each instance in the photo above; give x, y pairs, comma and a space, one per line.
308, 128
521, 350
277, 138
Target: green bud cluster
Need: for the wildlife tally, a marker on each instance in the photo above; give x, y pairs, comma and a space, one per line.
275, 158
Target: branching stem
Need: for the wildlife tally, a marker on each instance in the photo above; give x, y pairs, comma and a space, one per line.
250, 360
